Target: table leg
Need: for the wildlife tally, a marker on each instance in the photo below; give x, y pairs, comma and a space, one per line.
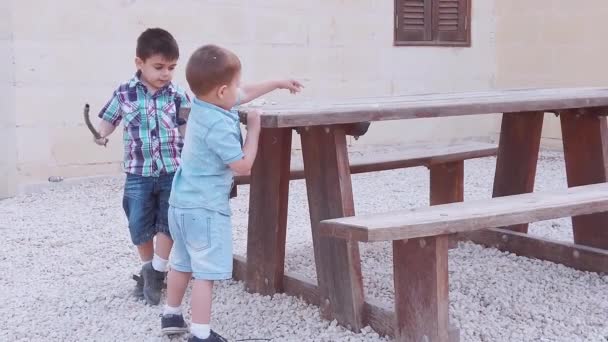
421, 289
586, 154
447, 186
268, 202
518, 149
447, 183
329, 188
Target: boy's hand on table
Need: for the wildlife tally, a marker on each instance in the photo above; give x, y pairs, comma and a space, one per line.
254, 120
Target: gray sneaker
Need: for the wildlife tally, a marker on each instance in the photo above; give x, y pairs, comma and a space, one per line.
153, 284
138, 291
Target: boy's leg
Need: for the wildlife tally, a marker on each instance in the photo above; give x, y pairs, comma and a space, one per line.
177, 282
209, 243
202, 294
172, 321
146, 251
139, 203
163, 236
154, 274
162, 251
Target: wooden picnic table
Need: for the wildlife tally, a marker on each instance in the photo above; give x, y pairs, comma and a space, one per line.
322, 124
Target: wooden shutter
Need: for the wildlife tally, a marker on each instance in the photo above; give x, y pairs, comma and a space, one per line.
451, 20
413, 20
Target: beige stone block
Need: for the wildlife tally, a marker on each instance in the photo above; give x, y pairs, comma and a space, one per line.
59, 105
341, 90
63, 20
582, 66
7, 66
366, 64
33, 144
351, 28
524, 29
6, 22
516, 8
8, 141
218, 23
7, 107
267, 62
551, 127
97, 20
8, 181
8, 162
282, 26
73, 63
293, 5
512, 60
573, 30
571, 8
350, 6
74, 145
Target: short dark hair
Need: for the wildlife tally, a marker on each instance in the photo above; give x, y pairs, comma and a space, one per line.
211, 66
155, 41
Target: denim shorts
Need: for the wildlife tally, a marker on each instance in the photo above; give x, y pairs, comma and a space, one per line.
202, 243
146, 203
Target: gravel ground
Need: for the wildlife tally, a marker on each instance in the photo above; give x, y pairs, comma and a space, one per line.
67, 260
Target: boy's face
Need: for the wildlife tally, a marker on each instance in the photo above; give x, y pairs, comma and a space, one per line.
156, 71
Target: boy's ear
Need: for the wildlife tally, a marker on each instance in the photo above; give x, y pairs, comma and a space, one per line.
139, 63
221, 91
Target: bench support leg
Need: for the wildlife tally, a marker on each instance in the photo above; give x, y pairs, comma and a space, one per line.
268, 213
518, 149
421, 289
330, 195
447, 186
585, 139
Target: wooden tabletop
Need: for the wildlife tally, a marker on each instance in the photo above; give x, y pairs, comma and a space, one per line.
314, 113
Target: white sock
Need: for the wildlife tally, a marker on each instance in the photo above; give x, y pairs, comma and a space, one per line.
169, 310
159, 263
200, 330
144, 263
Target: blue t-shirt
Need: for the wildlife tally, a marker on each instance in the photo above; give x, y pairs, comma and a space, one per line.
213, 140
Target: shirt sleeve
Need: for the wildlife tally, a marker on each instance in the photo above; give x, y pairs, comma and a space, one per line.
224, 141
112, 111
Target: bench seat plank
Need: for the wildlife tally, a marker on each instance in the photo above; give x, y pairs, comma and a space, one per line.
470, 215
422, 155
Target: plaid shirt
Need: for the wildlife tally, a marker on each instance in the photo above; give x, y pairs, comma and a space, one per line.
152, 142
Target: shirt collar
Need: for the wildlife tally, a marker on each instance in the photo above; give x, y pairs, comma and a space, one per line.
136, 81
230, 113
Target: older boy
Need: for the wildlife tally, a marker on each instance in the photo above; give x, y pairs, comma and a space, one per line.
149, 105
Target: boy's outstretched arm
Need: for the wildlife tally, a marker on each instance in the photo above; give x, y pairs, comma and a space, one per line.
253, 91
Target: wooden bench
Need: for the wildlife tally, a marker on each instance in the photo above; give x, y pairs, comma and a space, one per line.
420, 244
431, 156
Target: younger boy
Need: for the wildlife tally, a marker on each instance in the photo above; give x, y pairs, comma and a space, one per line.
199, 212
149, 105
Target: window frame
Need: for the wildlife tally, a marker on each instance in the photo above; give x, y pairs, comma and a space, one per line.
433, 41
